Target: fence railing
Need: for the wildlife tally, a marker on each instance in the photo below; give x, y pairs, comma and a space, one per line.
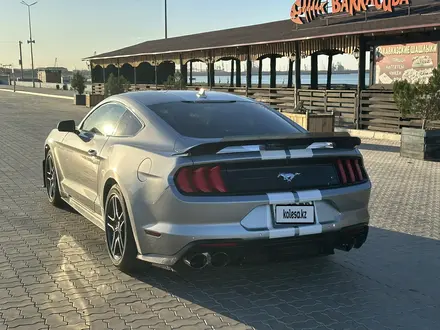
378, 112
370, 109
343, 103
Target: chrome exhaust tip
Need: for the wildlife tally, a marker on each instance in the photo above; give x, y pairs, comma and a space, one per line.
198, 260
346, 246
220, 259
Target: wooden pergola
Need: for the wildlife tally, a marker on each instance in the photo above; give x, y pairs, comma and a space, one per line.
148, 64
163, 64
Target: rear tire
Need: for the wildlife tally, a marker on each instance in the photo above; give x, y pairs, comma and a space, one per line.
51, 180
119, 238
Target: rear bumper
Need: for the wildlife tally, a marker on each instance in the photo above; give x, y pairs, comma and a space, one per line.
262, 249
177, 224
345, 239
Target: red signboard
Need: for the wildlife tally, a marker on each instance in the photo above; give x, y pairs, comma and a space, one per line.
412, 62
307, 10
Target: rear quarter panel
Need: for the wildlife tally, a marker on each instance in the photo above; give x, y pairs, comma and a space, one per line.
142, 176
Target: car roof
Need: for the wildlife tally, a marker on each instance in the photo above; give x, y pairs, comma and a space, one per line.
148, 98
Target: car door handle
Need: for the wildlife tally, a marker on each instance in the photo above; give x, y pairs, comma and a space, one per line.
92, 153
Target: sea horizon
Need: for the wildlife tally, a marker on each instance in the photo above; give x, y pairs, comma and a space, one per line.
282, 79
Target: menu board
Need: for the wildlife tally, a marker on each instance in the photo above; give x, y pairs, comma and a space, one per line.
411, 62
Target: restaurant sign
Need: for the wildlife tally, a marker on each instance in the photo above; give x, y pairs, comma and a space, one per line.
411, 62
305, 11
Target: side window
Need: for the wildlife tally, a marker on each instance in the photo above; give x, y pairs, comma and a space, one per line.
104, 119
129, 125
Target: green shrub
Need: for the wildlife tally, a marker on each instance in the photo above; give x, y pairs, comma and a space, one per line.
116, 85
175, 81
78, 83
418, 99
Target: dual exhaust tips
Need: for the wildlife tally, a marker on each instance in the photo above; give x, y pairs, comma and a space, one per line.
201, 260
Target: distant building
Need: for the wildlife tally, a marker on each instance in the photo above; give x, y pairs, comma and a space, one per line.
49, 75
4, 79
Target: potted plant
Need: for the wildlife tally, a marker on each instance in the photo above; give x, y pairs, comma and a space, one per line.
176, 82
313, 122
116, 85
79, 85
421, 101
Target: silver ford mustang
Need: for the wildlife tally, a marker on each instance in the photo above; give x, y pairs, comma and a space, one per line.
207, 178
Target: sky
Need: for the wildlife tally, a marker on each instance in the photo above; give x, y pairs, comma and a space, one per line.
70, 30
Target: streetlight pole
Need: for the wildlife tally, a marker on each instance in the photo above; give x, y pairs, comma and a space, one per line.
31, 41
21, 59
166, 20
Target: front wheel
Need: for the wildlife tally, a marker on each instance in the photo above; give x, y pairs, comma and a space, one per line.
118, 232
52, 188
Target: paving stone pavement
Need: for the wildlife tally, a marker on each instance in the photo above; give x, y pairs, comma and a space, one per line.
55, 273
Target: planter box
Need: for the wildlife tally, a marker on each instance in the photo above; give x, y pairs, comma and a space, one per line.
313, 122
420, 144
79, 99
93, 99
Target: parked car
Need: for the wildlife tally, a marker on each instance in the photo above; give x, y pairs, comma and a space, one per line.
206, 178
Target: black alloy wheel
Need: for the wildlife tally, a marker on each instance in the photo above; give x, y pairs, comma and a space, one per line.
118, 233
52, 189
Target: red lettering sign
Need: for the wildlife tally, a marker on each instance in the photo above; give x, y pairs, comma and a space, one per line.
310, 8
307, 10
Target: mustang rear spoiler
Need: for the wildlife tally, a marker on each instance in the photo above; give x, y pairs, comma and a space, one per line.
340, 140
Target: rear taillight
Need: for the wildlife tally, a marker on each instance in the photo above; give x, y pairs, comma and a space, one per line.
205, 179
350, 171
341, 170
358, 168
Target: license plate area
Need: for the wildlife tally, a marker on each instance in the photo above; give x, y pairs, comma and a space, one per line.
298, 213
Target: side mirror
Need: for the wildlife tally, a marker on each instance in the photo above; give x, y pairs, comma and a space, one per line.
67, 126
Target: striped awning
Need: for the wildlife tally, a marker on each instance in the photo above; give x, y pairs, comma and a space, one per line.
345, 44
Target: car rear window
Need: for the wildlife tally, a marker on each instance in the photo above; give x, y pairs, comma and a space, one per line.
221, 119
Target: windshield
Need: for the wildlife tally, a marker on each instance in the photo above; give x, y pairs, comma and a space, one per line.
222, 119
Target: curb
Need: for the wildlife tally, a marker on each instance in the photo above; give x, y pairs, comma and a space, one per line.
38, 94
370, 134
